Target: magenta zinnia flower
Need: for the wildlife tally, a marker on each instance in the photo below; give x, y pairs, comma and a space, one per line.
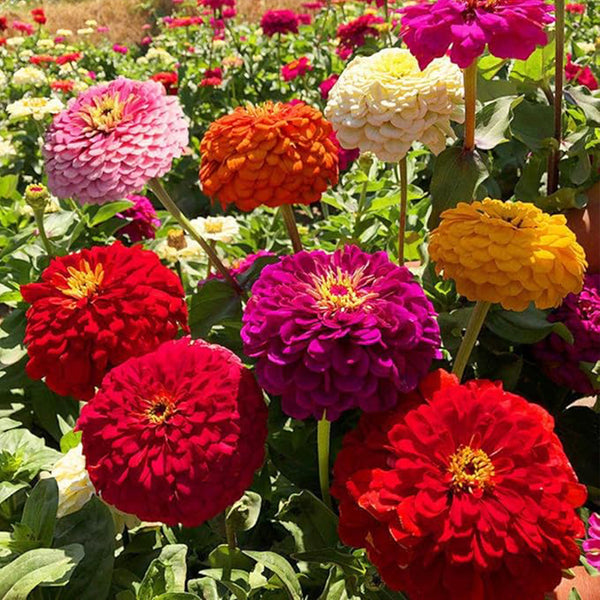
279, 21
345, 157
296, 68
337, 331
112, 139
326, 85
581, 314
142, 220
591, 546
354, 34
510, 28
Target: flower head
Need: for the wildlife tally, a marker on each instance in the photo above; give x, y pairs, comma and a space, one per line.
279, 21
39, 16
93, 310
65, 85
591, 546
112, 139
383, 103
354, 34
178, 246
142, 220
462, 491
509, 253
338, 331
29, 76
38, 108
582, 75
271, 154
120, 49
509, 28
575, 8
22, 27
169, 80
327, 84
218, 229
184, 425
561, 360
296, 68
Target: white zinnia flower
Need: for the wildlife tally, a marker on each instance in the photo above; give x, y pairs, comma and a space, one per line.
178, 246
219, 229
384, 102
29, 76
45, 44
91, 23
37, 108
15, 41
6, 149
161, 55
64, 32
86, 31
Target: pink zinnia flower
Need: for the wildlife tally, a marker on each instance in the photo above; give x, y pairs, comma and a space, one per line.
326, 85
26, 28
120, 49
345, 157
354, 34
591, 546
216, 4
229, 13
279, 21
112, 139
313, 5
510, 28
579, 74
296, 68
304, 18
141, 218
102, 29
575, 8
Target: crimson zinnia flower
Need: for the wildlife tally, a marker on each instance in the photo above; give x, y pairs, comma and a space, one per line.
39, 16
96, 308
169, 80
63, 59
354, 34
338, 331
582, 75
463, 491
279, 21
175, 435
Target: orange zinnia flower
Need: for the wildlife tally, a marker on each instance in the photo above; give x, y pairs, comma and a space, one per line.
271, 154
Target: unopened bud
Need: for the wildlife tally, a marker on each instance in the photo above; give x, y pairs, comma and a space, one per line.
37, 196
176, 239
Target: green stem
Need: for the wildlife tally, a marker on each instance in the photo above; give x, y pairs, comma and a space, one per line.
213, 244
559, 59
290, 224
323, 435
231, 545
470, 82
403, 205
156, 186
39, 221
471, 334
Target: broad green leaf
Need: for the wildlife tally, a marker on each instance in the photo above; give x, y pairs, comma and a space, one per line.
243, 514
236, 583
538, 68
282, 568
48, 566
107, 211
588, 102
7, 489
493, 122
8, 186
532, 124
70, 440
28, 455
205, 588
174, 555
350, 565
39, 512
213, 303
177, 596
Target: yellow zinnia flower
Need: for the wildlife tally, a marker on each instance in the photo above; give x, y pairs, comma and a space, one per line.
510, 253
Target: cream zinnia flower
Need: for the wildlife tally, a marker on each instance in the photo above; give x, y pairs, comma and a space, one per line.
161, 55
85, 31
15, 41
2, 79
37, 108
384, 102
219, 229
178, 246
45, 44
29, 76
64, 32
6, 149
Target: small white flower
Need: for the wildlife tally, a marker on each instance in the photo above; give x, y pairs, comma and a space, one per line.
218, 229
25, 55
86, 31
91, 23
64, 32
37, 108
161, 55
29, 76
178, 246
45, 44
6, 149
587, 47
15, 41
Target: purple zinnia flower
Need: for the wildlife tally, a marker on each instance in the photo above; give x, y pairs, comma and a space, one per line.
142, 220
581, 314
510, 28
338, 331
279, 21
591, 546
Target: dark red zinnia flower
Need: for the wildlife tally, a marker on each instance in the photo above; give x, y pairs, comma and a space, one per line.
94, 309
582, 75
462, 492
39, 16
3, 23
63, 59
169, 80
64, 85
175, 435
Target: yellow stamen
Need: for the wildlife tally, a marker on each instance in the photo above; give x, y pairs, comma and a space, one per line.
340, 291
176, 239
105, 112
213, 227
471, 469
83, 282
160, 408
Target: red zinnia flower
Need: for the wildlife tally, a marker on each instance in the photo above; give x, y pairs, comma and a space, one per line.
296, 68
580, 74
96, 308
65, 85
63, 59
40, 59
462, 492
354, 34
3, 23
169, 80
175, 435
575, 8
39, 16
26, 28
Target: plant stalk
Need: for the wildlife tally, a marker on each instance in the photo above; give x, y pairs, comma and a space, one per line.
39, 221
323, 440
470, 82
290, 224
403, 205
471, 334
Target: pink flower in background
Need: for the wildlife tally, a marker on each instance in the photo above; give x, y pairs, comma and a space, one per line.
59, 39
228, 13
591, 546
575, 8
304, 18
92, 75
120, 49
313, 5
146, 27
510, 28
146, 41
326, 85
279, 21
296, 68
112, 139
345, 157
217, 4
26, 28
102, 29
354, 34
212, 77
579, 74
142, 220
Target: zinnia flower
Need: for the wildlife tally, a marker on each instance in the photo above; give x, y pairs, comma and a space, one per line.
26, 28
142, 220
66, 85
591, 546
510, 28
561, 360
218, 229
184, 427
279, 21
178, 246
338, 331
41, 59
509, 253
575, 8
462, 491
169, 80
3, 23
271, 154
579, 74
93, 310
38, 108
119, 49
383, 103
39, 16
71, 57
327, 84
29, 76
354, 34
296, 68
112, 139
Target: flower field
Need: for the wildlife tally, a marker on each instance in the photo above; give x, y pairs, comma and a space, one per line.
301, 307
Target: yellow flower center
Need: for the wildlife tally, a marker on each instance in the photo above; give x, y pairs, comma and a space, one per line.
35, 102
105, 112
399, 65
176, 239
213, 226
82, 282
160, 408
517, 215
471, 469
340, 291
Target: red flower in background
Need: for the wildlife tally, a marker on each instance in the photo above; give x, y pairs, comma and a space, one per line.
169, 79
63, 59
26, 28
354, 34
296, 68
579, 74
175, 435
94, 309
279, 21
326, 85
212, 77
463, 491
575, 8
65, 85
39, 16
3, 23
41, 59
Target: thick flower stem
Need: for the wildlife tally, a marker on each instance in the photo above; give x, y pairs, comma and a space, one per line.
403, 204
231, 546
471, 334
39, 221
470, 81
323, 435
559, 59
290, 224
166, 200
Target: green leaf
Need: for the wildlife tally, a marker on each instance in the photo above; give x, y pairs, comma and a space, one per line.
215, 302
177, 596
7, 489
526, 327
243, 514
538, 68
206, 588
70, 440
166, 573
56, 414
574, 594
587, 101
93, 527
532, 124
456, 177
493, 122
48, 566
281, 568
8, 186
107, 211
39, 512
237, 584
174, 556
29, 455
350, 565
